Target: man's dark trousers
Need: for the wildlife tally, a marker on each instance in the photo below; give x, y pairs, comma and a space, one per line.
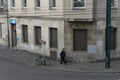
63, 60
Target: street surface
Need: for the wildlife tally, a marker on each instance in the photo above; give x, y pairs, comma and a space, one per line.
11, 70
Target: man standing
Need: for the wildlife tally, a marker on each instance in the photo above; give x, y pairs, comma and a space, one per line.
62, 56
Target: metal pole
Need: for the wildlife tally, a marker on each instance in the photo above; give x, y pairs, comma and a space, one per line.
108, 27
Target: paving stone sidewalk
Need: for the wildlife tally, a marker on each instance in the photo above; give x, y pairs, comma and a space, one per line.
30, 59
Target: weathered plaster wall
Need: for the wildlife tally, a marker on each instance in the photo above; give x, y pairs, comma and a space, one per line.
45, 25
4, 37
79, 56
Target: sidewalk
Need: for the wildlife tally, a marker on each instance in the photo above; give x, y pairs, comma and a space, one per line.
29, 58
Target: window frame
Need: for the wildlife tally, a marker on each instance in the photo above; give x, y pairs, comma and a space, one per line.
78, 7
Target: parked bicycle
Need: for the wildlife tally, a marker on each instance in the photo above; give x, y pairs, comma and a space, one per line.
43, 61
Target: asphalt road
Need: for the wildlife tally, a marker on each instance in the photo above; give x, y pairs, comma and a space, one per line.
11, 70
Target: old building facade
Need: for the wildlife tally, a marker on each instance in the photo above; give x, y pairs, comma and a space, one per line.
3, 23
77, 25
100, 17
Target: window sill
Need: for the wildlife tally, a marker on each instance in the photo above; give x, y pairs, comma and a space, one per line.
53, 8
12, 8
37, 8
114, 7
78, 8
1, 6
53, 49
79, 51
24, 8
38, 45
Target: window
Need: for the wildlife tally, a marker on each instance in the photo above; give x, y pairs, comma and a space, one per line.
0, 30
52, 4
25, 33
37, 3
37, 35
1, 3
24, 3
12, 3
80, 40
114, 3
78, 3
53, 38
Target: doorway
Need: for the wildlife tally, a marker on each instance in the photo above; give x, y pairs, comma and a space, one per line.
113, 39
13, 35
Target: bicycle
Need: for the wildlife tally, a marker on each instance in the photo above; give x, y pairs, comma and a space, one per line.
42, 61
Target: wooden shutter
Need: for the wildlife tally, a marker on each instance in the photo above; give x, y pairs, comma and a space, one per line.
113, 39
37, 35
53, 38
79, 39
25, 33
